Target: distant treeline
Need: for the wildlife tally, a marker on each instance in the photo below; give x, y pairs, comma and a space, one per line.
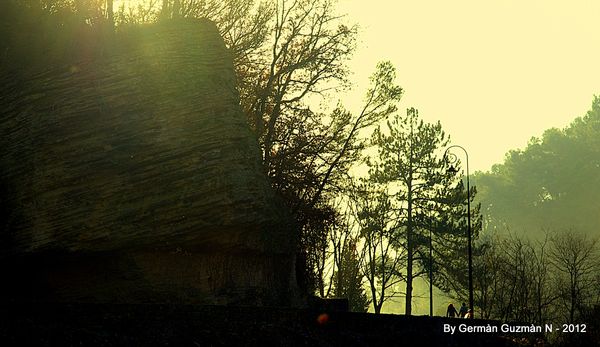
552, 184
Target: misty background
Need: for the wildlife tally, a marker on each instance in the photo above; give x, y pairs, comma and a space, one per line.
353, 106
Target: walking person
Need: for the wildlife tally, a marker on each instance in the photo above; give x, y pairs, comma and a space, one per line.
463, 310
451, 312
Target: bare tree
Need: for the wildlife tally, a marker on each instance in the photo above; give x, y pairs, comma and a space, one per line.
575, 257
513, 279
307, 54
381, 255
543, 294
487, 277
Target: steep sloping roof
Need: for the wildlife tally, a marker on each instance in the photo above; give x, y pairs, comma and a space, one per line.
142, 145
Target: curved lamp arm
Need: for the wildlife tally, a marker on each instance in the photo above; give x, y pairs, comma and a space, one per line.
453, 159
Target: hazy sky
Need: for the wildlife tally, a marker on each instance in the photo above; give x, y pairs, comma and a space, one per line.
494, 72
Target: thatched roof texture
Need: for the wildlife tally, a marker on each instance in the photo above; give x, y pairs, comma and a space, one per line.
138, 147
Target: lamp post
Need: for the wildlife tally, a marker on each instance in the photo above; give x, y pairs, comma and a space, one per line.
451, 160
430, 272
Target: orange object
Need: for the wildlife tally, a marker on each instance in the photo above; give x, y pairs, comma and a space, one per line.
323, 318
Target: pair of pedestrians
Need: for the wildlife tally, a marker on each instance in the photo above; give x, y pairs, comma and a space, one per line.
463, 313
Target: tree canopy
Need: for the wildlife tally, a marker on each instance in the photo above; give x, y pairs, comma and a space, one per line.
553, 183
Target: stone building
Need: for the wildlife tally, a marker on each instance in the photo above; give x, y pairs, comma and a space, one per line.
129, 174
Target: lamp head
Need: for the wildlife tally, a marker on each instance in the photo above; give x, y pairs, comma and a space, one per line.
452, 169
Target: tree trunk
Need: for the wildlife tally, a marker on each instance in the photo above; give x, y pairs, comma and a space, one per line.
377, 306
572, 308
409, 249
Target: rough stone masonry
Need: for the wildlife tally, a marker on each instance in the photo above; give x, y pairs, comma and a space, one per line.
129, 174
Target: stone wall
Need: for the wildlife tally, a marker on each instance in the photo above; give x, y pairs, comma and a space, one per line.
132, 167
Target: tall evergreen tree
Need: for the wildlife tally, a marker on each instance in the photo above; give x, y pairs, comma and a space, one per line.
407, 161
447, 219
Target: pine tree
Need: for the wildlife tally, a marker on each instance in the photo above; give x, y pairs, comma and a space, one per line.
407, 161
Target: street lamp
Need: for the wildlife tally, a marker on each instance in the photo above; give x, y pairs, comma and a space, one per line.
452, 159
430, 269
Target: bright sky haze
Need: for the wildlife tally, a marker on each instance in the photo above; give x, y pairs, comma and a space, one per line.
495, 73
